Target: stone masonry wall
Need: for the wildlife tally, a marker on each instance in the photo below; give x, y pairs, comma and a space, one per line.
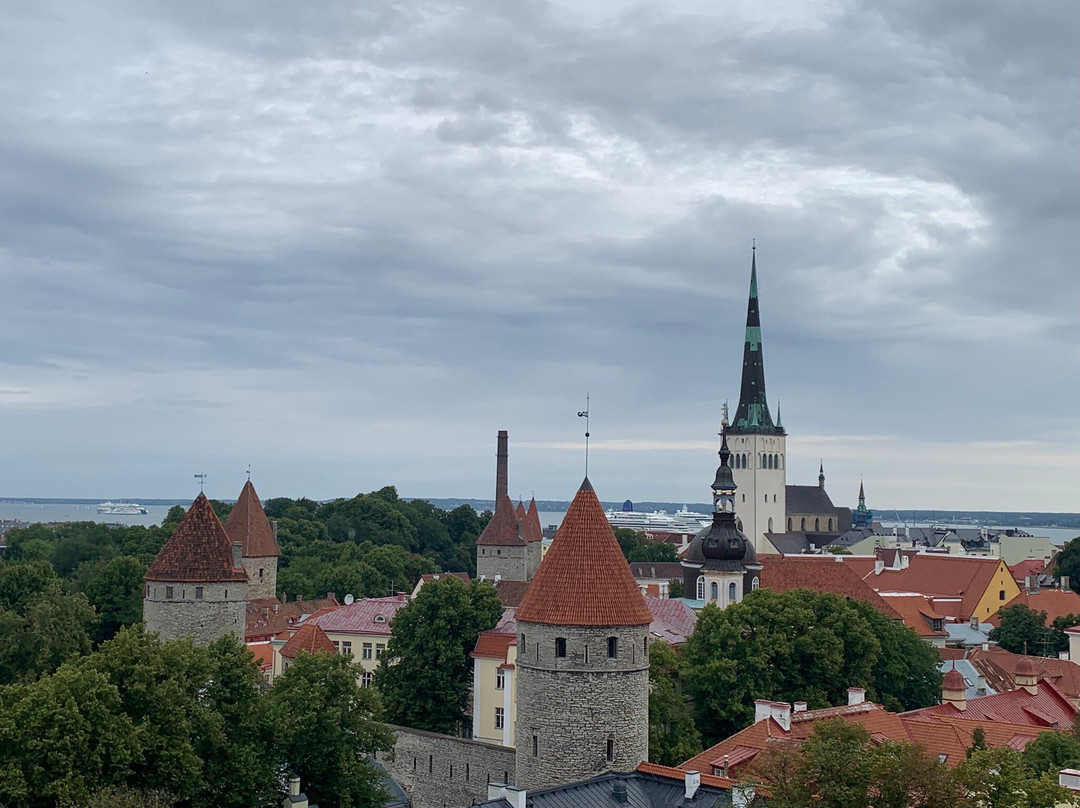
219, 612
264, 586
439, 771
511, 563
573, 705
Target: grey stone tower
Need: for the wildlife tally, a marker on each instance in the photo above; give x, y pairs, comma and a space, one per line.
583, 657
507, 549
197, 585
247, 524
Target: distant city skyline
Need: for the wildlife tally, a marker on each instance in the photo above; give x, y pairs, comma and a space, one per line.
348, 244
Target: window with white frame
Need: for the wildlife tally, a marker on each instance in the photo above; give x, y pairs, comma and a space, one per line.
366, 651
500, 718
500, 679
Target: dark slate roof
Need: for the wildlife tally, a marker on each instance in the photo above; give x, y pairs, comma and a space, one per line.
656, 569
643, 790
809, 499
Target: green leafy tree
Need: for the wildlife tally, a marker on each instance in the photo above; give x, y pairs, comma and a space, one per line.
1051, 752
1022, 630
998, 778
1067, 563
629, 540
673, 737
654, 551
328, 731
978, 741
799, 645
675, 589
114, 588
425, 675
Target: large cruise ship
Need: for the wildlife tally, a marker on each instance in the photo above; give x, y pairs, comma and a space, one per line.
682, 521
121, 508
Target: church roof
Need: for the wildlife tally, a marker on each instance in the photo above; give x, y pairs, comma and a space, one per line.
808, 499
310, 638
584, 579
198, 550
247, 524
752, 415
504, 529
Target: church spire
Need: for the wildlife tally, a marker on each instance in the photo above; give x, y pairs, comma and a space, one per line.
753, 415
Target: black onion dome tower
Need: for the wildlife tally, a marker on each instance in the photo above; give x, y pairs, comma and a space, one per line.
721, 565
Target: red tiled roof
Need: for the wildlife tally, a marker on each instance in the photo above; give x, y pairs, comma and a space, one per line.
503, 529
308, 638
247, 524
1047, 707
707, 779
534, 530
268, 617
511, 593
673, 621
1031, 566
435, 576
964, 577
584, 579
264, 654
821, 574
367, 616
493, 646
999, 667
1055, 602
199, 550
917, 612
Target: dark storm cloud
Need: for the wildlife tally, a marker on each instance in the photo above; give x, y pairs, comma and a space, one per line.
347, 239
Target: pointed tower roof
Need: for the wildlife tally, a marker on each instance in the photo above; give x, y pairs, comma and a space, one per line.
862, 494
535, 529
310, 638
752, 415
523, 520
199, 550
584, 579
247, 524
504, 529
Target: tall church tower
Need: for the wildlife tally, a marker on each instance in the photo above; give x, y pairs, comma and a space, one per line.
583, 657
758, 445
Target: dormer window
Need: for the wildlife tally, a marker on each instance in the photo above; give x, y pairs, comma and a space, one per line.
380, 619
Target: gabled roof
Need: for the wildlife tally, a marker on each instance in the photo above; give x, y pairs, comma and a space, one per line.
1055, 602
999, 667
1022, 569
511, 593
199, 550
504, 529
964, 577
584, 579
264, 654
810, 499
673, 621
247, 524
821, 574
917, 611
367, 616
1047, 707
268, 617
308, 638
656, 570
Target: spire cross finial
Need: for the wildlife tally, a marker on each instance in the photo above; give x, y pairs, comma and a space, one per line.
201, 478
585, 414
249, 472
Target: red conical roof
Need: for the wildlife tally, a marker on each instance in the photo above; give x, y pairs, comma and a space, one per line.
504, 528
199, 550
534, 530
247, 524
584, 579
953, 680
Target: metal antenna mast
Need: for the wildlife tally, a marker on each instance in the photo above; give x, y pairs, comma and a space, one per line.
585, 414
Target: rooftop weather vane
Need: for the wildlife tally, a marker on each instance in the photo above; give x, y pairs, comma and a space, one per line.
249, 472
201, 478
585, 414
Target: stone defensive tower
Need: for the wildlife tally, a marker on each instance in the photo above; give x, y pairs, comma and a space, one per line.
247, 524
583, 658
758, 445
197, 585
508, 549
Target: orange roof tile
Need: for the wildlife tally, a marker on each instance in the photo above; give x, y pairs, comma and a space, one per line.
999, 667
198, 550
310, 638
964, 577
584, 579
821, 574
535, 529
511, 593
264, 654
707, 779
917, 612
247, 524
1047, 707
1055, 602
268, 617
503, 529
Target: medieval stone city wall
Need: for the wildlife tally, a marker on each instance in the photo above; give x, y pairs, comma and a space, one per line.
509, 563
264, 586
219, 612
440, 771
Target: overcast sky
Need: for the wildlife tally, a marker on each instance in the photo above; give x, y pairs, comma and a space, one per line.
348, 242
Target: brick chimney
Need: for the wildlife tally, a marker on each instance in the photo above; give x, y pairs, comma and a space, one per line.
501, 456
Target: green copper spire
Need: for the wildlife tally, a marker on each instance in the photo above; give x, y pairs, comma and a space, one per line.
752, 415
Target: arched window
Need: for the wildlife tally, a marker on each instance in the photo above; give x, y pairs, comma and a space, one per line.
802, 524
714, 591
770, 524
731, 592
817, 525
755, 583
701, 587
830, 524
789, 523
